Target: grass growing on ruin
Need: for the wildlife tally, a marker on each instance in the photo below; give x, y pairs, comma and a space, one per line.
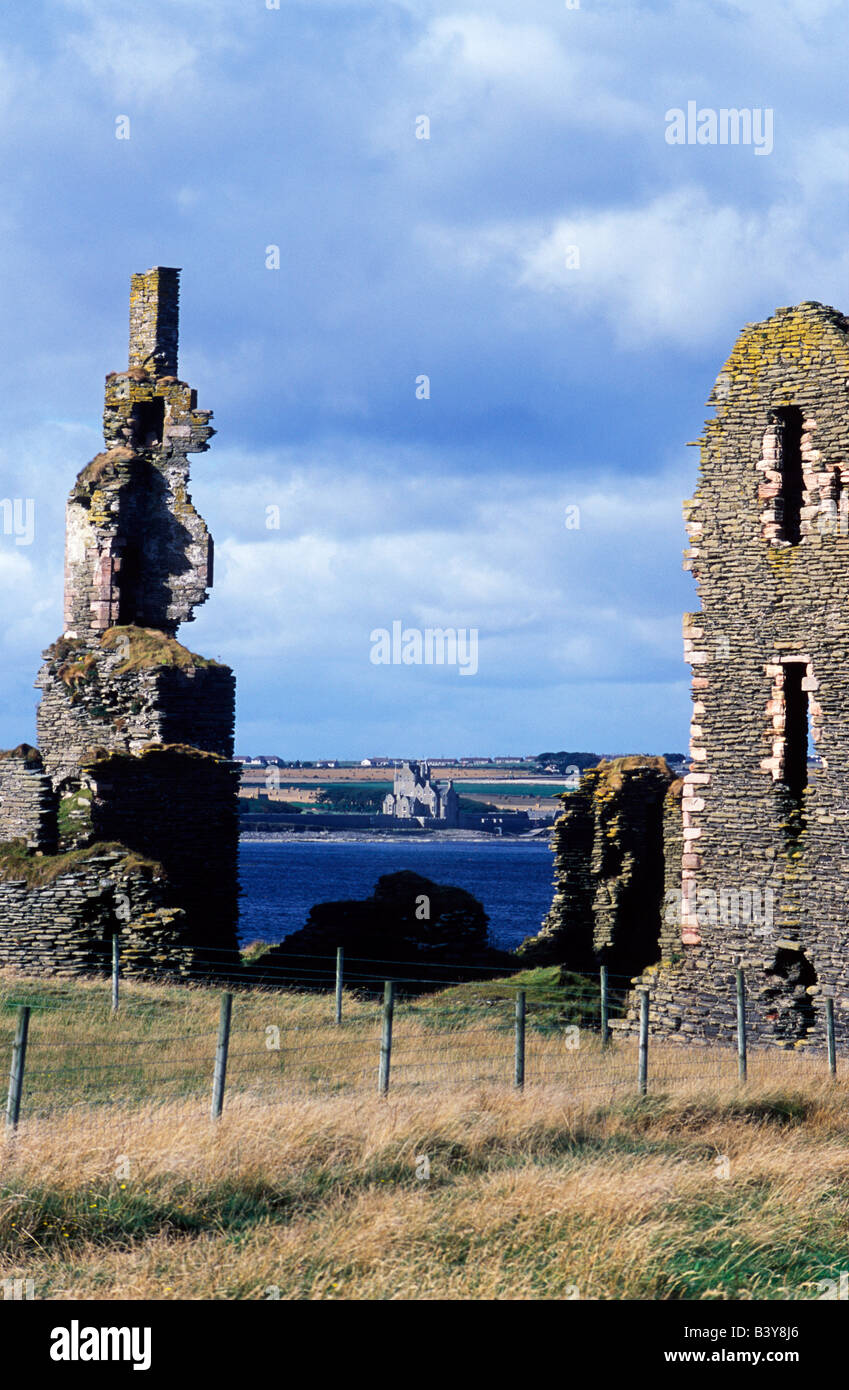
453, 1186
18, 863
74, 814
146, 647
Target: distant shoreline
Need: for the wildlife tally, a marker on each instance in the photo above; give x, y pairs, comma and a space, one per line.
391, 836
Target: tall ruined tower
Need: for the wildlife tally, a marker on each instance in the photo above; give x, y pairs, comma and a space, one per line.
765, 867
135, 732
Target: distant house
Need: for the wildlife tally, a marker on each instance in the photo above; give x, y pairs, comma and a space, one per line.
415, 796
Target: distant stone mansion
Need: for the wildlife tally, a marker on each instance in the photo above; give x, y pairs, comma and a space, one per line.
416, 796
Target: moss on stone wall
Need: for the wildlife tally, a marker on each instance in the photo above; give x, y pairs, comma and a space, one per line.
609, 869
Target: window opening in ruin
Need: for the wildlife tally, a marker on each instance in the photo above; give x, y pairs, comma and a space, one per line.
129, 578
836, 486
788, 429
796, 736
788, 1005
148, 419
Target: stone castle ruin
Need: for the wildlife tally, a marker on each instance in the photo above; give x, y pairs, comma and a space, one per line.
125, 816
754, 846
124, 819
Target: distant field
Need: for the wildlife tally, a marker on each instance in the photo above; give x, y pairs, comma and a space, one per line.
467, 787
308, 776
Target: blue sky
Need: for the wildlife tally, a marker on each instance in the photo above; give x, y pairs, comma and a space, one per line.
552, 386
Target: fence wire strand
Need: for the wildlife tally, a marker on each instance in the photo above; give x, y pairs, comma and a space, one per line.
284, 1042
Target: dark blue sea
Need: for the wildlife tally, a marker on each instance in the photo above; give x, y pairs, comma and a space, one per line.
281, 879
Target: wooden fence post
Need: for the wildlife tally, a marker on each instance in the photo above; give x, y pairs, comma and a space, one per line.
519, 1070
741, 1025
386, 1036
116, 971
605, 1026
829, 1032
221, 1055
16, 1075
643, 1068
340, 958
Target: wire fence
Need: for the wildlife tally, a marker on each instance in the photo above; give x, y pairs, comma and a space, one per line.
85, 1043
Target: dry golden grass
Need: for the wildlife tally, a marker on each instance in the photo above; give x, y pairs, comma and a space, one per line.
312, 1186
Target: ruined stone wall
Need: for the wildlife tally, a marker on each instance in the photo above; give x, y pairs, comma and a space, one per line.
567, 933
673, 849
27, 800
136, 732
179, 806
137, 552
63, 922
120, 694
765, 865
609, 848
154, 319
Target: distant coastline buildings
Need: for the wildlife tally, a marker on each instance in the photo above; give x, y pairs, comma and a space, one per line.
529, 761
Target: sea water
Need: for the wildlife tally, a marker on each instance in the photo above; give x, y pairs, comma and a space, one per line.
282, 878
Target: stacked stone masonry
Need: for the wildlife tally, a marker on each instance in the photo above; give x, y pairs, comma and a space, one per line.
130, 688
135, 731
27, 799
614, 844
755, 842
765, 862
64, 925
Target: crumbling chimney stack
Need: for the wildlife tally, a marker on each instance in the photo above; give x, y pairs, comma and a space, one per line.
154, 320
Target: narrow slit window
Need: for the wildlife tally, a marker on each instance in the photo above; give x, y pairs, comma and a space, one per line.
129, 576
788, 428
795, 730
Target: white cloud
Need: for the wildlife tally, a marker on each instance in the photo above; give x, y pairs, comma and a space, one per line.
550, 603
34, 603
140, 54
672, 269
477, 61
821, 162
